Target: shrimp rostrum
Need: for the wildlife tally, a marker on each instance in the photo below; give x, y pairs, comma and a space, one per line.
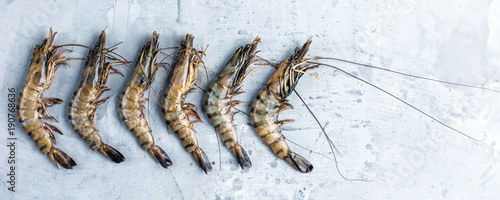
176, 112
271, 100
132, 101
87, 98
218, 102
32, 106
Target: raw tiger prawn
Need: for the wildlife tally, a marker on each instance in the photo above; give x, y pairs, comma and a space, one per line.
218, 102
87, 98
132, 101
175, 111
32, 106
272, 99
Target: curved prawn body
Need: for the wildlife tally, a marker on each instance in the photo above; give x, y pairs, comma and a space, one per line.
271, 100
132, 101
87, 98
32, 106
218, 102
175, 111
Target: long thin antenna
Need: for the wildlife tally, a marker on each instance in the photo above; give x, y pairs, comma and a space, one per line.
330, 143
335, 160
242, 112
405, 74
401, 100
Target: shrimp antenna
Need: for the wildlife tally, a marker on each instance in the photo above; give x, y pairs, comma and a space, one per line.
197, 86
243, 113
108, 51
112, 48
122, 61
167, 56
401, 100
330, 143
62, 60
199, 62
254, 69
74, 45
405, 74
336, 163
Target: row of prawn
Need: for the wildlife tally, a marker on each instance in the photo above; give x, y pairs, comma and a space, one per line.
178, 114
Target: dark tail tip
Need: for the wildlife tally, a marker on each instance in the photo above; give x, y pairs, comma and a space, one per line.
161, 156
299, 162
241, 156
63, 159
202, 160
112, 154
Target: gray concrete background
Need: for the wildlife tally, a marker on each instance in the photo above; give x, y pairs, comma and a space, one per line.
409, 155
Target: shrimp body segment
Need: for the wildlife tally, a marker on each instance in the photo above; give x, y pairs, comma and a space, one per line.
32, 106
271, 100
175, 111
218, 102
86, 100
132, 101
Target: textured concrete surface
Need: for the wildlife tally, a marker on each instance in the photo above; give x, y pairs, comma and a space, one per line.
408, 155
